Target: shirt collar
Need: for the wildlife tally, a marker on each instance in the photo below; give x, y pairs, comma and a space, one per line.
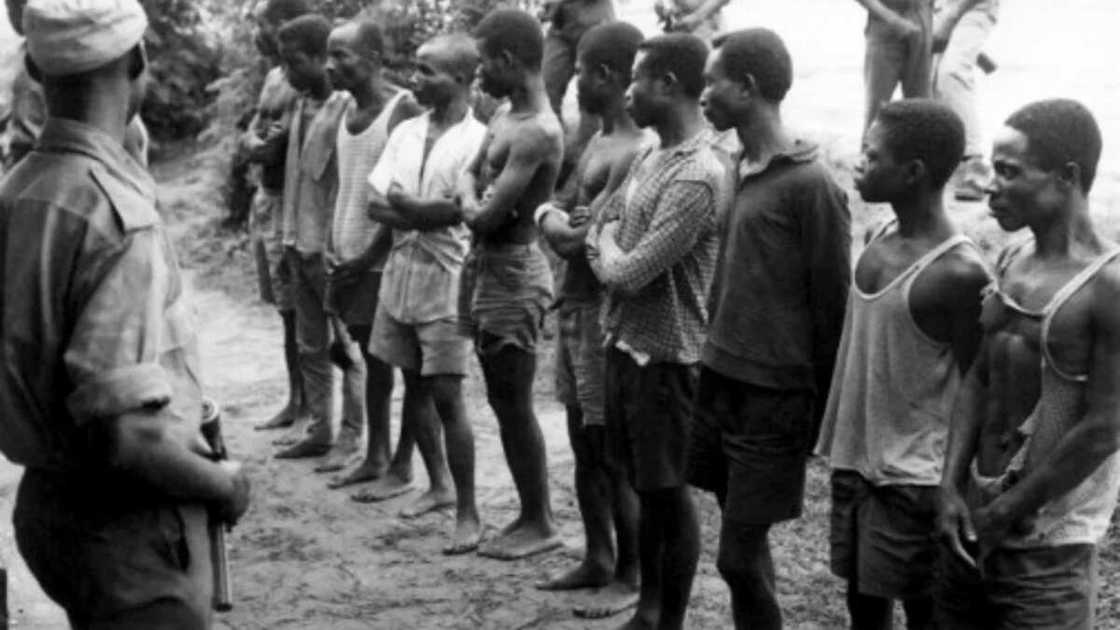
70, 136
800, 152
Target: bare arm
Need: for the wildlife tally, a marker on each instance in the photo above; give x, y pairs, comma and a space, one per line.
901, 25
1091, 441
964, 288
954, 522
527, 152
699, 14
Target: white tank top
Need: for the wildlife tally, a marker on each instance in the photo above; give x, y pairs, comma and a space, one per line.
893, 388
352, 230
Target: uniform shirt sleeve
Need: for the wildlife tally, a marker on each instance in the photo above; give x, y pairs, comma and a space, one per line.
112, 356
684, 211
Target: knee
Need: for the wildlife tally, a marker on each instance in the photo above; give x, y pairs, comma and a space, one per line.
739, 558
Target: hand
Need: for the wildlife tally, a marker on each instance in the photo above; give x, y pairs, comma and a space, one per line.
230, 510
344, 271
591, 242
993, 524
579, 216
687, 23
904, 28
396, 196
955, 521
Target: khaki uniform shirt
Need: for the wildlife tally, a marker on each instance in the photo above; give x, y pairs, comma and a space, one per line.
94, 320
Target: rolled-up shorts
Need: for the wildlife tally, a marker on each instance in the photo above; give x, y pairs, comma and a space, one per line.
751, 444
429, 349
274, 279
581, 360
882, 537
113, 560
1045, 588
648, 413
505, 293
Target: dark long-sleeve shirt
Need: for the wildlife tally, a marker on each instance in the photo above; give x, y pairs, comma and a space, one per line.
782, 277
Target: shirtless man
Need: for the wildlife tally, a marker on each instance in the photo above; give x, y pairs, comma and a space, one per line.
606, 54
1031, 473
508, 283
910, 332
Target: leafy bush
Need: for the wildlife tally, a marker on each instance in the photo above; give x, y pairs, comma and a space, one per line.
183, 61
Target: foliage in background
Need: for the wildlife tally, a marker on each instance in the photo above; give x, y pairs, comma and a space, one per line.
184, 59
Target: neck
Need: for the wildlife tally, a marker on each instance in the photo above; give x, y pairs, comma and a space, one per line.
922, 215
452, 111
1066, 231
97, 104
614, 118
683, 122
321, 90
367, 94
529, 96
763, 135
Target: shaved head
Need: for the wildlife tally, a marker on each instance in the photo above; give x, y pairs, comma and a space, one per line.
455, 53
364, 37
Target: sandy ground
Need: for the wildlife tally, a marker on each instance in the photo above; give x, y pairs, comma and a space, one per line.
306, 557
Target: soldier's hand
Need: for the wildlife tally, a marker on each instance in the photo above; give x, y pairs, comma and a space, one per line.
230, 510
904, 28
579, 216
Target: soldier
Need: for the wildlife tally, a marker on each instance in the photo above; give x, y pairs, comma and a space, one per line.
100, 400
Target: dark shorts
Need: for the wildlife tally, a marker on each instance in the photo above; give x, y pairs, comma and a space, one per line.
581, 360
882, 537
648, 412
505, 293
1051, 588
751, 443
353, 300
115, 562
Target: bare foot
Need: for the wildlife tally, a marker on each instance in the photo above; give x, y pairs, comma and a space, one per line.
430, 501
294, 434
282, 420
363, 473
339, 458
583, 576
387, 487
468, 533
608, 602
520, 540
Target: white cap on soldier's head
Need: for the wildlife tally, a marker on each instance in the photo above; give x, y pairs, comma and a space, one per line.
74, 36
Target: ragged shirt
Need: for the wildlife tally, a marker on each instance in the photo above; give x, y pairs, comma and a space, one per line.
94, 319
1082, 515
421, 278
311, 172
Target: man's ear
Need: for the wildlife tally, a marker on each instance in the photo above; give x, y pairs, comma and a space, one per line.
137, 61
915, 171
749, 84
508, 59
1069, 174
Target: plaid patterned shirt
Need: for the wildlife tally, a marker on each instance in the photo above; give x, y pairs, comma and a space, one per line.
657, 290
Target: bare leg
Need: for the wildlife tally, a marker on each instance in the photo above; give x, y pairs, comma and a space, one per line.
919, 613
446, 393
650, 546
509, 380
869, 612
378, 394
295, 407
419, 413
745, 563
593, 492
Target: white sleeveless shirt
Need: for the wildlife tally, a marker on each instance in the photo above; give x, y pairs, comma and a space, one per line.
352, 231
893, 387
